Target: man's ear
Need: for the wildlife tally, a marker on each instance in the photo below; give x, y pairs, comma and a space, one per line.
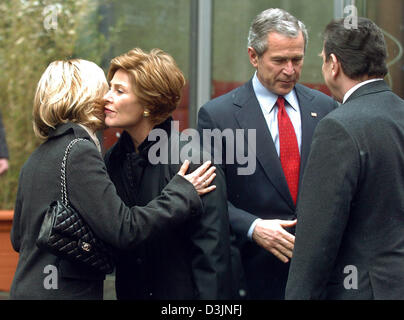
335, 65
252, 54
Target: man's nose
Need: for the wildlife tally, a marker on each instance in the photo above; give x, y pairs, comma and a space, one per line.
289, 69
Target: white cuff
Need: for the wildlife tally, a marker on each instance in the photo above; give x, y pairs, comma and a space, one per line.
252, 227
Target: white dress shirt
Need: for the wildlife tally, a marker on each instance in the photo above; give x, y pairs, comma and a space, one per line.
267, 102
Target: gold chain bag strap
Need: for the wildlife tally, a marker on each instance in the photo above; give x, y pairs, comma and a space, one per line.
65, 234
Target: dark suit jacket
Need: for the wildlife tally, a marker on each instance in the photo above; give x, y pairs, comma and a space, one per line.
94, 195
189, 262
263, 194
3, 143
350, 239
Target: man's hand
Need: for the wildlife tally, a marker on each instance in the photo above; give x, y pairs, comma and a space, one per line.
3, 165
271, 235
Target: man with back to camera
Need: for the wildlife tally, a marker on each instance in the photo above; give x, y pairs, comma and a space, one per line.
262, 204
349, 241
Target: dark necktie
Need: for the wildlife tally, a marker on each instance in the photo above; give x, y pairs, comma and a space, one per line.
289, 149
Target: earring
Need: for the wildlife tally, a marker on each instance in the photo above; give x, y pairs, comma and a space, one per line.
146, 113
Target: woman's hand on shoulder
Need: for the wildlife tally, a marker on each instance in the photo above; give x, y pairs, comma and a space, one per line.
201, 177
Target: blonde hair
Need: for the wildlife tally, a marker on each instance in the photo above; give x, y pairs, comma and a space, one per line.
156, 80
69, 91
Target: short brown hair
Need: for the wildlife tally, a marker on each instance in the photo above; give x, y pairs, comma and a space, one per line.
69, 91
361, 51
156, 80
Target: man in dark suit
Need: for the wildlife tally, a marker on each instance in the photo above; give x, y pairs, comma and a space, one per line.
3, 150
262, 201
350, 235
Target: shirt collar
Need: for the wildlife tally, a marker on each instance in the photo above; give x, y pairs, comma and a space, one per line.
267, 99
356, 87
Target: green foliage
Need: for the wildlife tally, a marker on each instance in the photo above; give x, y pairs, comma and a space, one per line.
29, 41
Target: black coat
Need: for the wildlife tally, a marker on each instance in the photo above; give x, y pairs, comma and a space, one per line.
264, 193
189, 262
350, 231
93, 194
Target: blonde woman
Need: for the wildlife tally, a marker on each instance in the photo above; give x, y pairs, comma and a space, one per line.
66, 106
192, 261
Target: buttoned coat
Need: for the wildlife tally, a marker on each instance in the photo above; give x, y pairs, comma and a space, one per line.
349, 241
264, 193
41, 275
192, 261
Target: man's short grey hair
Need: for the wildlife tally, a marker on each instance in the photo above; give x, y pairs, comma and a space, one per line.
274, 20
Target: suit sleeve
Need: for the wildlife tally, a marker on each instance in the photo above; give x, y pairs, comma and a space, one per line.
211, 264
240, 219
328, 186
94, 195
3, 143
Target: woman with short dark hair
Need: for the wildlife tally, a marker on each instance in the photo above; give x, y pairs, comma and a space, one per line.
191, 261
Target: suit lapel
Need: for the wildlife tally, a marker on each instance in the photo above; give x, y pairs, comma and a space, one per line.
250, 117
311, 113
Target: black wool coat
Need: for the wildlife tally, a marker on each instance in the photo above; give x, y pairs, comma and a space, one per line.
93, 194
349, 236
191, 261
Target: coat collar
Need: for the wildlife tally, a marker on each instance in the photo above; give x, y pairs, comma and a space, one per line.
64, 128
125, 146
372, 87
129, 165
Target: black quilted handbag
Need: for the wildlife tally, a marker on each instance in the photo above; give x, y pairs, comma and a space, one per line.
65, 234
